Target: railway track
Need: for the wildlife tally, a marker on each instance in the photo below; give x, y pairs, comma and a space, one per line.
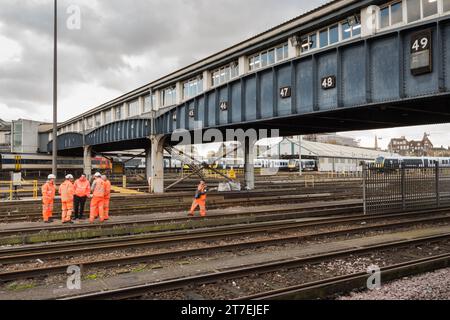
261, 215
146, 205
18, 255
327, 288
271, 184
194, 282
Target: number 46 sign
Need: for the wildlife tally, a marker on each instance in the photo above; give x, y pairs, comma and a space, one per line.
422, 52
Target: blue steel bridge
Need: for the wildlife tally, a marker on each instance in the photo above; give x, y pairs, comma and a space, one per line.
399, 77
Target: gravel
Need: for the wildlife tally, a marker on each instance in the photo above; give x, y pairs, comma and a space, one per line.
429, 286
113, 271
258, 283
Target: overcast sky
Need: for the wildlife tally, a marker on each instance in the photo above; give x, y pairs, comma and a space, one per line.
123, 45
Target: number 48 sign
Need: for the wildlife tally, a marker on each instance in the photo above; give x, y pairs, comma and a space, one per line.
422, 52
328, 82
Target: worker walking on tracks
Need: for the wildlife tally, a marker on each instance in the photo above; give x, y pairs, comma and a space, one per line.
107, 196
98, 199
200, 199
48, 198
67, 191
82, 192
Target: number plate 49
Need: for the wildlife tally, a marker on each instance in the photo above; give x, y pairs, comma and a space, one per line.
422, 52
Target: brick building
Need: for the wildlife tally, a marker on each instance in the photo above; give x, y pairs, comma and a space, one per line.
404, 147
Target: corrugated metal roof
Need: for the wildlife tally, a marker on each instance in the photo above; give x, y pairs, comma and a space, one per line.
5, 126
331, 150
318, 149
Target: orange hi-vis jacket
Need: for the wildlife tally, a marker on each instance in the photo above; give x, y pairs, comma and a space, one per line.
82, 188
107, 189
99, 189
201, 191
67, 190
48, 192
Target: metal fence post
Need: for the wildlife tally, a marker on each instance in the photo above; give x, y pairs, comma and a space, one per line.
11, 197
364, 188
403, 186
35, 189
438, 196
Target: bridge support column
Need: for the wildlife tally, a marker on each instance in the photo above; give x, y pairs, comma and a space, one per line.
148, 165
87, 161
249, 166
157, 164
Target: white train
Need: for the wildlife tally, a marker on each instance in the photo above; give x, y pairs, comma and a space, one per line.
412, 162
42, 162
227, 163
224, 163
307, 165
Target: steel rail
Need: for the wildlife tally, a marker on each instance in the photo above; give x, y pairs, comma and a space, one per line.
343, 284
140, 290
8, 276
324, 209
146, 208
93, 245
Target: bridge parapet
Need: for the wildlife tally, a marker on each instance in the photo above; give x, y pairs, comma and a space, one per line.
376, 71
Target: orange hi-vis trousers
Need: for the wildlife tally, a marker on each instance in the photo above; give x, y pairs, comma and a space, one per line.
106, 207
67, 209
47, 209
199, 203
97, 209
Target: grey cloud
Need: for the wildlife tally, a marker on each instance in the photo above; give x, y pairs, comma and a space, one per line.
177, 31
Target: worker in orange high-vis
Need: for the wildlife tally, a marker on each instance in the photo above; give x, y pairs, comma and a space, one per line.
107, 196
82, 192
48, 198
200, 199
98, 199
67, 191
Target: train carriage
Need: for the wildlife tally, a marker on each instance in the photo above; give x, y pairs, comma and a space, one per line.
307, 165
411, 162
40, 162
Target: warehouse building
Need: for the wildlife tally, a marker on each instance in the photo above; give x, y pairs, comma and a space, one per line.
329, 157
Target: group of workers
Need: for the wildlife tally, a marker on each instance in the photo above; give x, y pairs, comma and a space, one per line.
74, 196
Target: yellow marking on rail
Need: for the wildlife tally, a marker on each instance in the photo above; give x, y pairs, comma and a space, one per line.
124, 190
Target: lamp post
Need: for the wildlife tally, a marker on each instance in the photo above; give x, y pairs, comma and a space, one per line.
300, 140
55, 91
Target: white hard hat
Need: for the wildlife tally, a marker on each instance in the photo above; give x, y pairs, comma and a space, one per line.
69, 176
52, 176
97, 174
